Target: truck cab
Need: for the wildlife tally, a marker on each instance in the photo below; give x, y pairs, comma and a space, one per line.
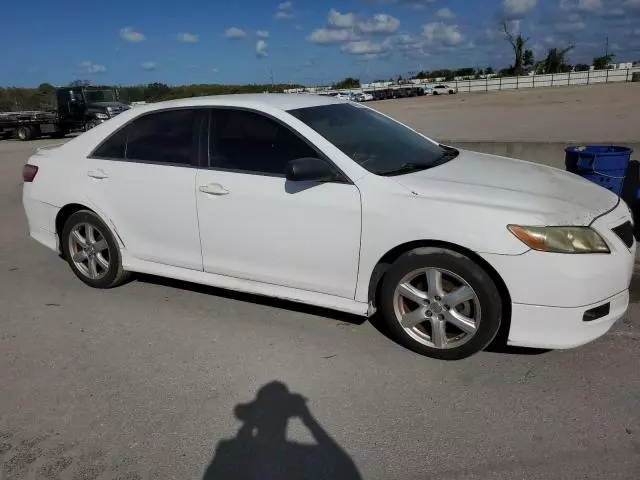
86, 107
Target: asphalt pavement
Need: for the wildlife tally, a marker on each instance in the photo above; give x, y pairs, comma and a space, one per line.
169, 380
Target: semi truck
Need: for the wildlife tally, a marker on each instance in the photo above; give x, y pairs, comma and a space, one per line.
77, 109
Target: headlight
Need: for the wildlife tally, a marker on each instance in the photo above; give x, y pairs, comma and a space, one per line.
102, 116
560, 239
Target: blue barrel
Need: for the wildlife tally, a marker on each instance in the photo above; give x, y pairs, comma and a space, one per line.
605, 165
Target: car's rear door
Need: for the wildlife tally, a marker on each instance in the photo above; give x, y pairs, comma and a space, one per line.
142, 179
256, 225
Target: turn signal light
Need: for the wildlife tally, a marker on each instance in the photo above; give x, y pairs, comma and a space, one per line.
29, 173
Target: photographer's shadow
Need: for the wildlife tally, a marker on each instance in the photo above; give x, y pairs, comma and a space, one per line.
261, 450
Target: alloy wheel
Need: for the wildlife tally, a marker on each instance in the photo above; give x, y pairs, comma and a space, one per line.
437, 308
89, 251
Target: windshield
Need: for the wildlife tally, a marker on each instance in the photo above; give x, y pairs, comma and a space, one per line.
93, 96
377, 143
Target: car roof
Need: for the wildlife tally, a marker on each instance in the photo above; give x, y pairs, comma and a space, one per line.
280, 101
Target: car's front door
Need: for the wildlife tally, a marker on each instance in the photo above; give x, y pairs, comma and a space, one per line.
256, 225
142, 179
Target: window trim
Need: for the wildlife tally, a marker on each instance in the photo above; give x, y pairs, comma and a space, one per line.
342, 178
195, 154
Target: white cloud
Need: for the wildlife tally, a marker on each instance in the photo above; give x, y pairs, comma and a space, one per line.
438, 32
261, 48
590, 5
325, 36
285, 11
187, 37
632, 3
379, 24
445, 13
517, 8
262, 34
235, 32
406, 42
581, 5
130, 35
414, 4
574, 23
215, 70
93, 68
365, 47
148, 66
341, 20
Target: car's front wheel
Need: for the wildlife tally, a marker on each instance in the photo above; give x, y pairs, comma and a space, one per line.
91, 250
440, 303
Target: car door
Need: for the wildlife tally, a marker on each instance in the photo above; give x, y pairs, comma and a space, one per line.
142, 179
254, 224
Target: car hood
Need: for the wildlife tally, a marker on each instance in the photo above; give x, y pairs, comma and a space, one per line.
534, 193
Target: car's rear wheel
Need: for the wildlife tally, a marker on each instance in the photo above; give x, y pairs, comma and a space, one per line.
440, 303
91, 250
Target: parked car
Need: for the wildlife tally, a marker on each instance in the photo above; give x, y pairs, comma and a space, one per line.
444, 90
305, 198
344, 96
364, 97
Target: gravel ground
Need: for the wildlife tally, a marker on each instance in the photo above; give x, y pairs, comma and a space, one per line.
595, 113
156, 378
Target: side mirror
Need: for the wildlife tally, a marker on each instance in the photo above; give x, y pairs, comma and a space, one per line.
309, 170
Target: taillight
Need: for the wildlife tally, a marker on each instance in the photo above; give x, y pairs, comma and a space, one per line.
29, 172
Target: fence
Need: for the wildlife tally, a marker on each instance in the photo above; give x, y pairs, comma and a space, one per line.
550, 80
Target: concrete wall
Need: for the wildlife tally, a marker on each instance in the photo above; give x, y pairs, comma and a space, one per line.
547, 153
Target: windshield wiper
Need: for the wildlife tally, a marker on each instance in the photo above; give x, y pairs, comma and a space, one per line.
406, 168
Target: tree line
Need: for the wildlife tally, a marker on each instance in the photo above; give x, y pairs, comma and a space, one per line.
43, 97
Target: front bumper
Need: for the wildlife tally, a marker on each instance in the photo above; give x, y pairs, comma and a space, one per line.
550, 293
559, 328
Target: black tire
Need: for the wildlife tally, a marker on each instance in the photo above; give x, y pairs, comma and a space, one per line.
451, 92
115, 274
91, 124
485, 290
24, 133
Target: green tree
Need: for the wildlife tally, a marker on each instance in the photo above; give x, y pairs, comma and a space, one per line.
465, 72
489, 71
581, 67
348, 82
603, 62
517, 43
555, 61
156, 91
527, 58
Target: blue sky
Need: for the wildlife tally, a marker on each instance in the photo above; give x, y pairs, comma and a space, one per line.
302, 41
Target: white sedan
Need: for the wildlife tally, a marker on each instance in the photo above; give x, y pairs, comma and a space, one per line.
444, 90
326, 202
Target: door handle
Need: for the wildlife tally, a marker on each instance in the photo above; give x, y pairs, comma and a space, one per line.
213, 189
98, 174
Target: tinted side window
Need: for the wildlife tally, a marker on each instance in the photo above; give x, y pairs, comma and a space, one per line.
249, 142
163, 137
114, 147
